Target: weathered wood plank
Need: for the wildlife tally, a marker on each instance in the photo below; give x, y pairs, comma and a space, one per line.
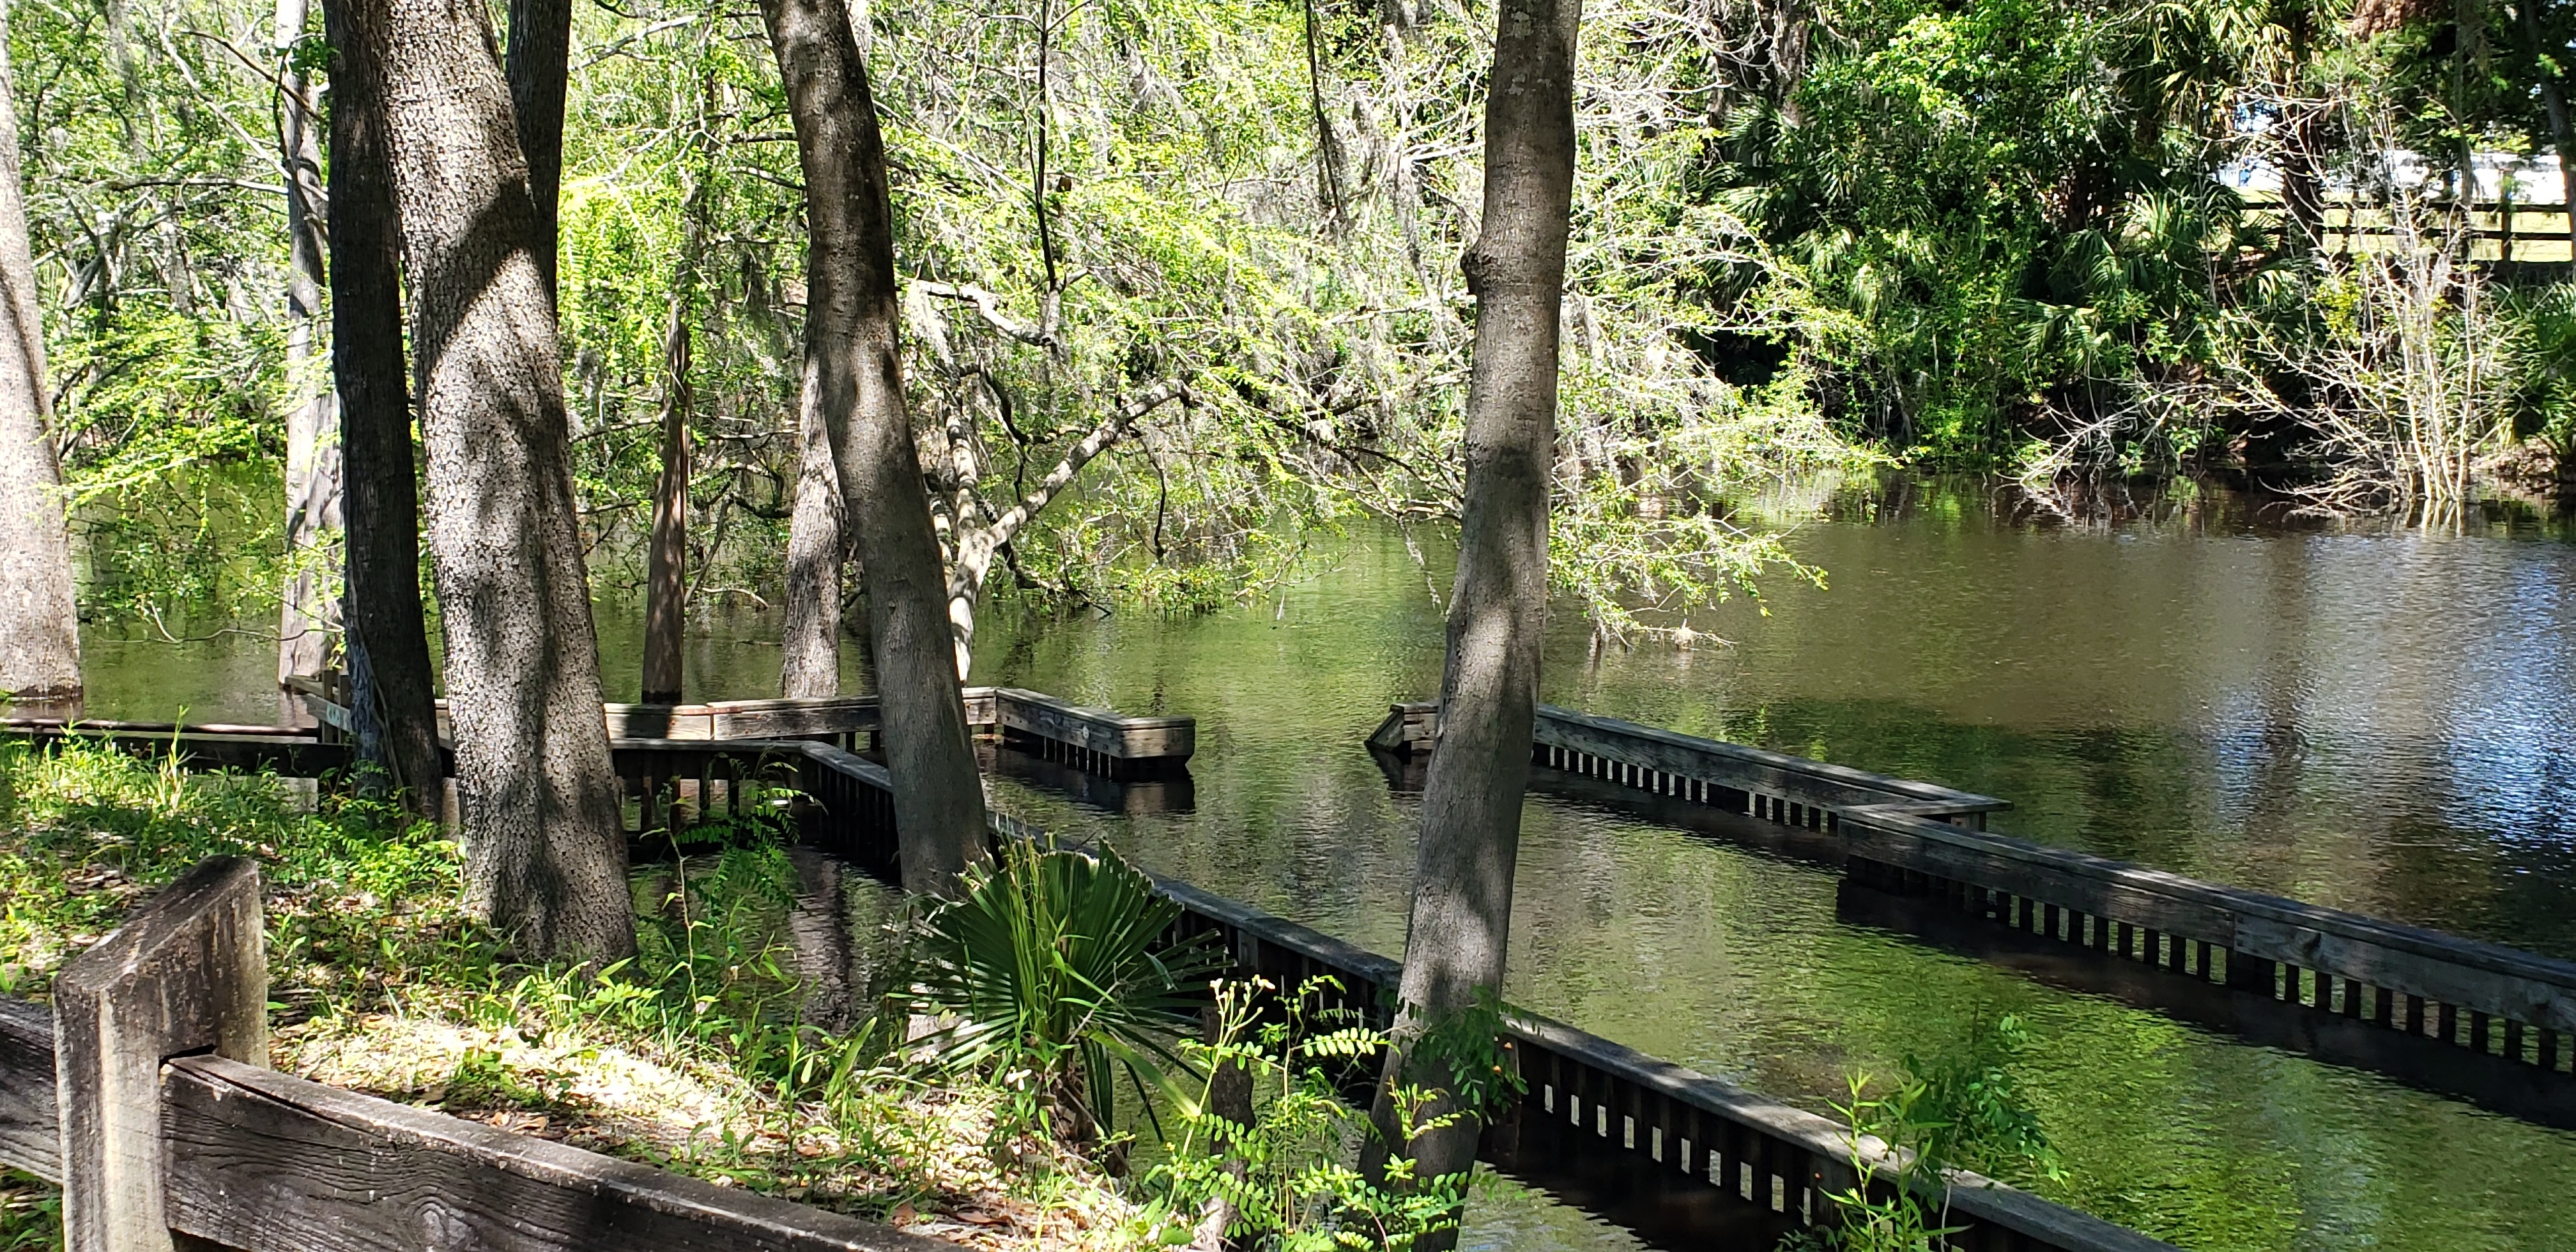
1099, 730
263, 1161
1408, 728
2127, 893
983, 707
290, 752
188, 971
1795, 779
780, 719
1415, 726
30, 1127
93, 726
742, 719
658, 721
2480, 976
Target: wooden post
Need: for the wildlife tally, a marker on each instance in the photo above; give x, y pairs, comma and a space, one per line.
2249, 973
188, 973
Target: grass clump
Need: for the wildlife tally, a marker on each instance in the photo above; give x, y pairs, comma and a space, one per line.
702, 1054
1947, 1114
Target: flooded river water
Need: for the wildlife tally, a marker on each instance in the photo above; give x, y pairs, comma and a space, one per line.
2382, 722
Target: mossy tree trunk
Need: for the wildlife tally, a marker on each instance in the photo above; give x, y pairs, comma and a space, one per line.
816, 548
666, 557
539, 69
313, 458
385, 640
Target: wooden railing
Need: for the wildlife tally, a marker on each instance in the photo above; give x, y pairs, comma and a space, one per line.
287, 750
1774, 786
320, 1159
1092, 737
1922, 839
1661, 1116
2488, 998
145, 1095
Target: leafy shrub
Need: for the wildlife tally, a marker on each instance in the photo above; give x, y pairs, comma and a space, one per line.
1283, 1179
1958, 1112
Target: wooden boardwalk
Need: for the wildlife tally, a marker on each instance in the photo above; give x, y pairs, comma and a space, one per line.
1919, 839
346, 1160
1772, 1158
677, 761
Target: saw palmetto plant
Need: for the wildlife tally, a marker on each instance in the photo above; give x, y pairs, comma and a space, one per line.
1054, 969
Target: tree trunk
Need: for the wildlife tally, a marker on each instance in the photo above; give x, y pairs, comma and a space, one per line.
666, 578
540, 65
853, 377
1471, 801
545, 853
313, 459
384, 636
666, 575
39, 619
2303, 183
811, 667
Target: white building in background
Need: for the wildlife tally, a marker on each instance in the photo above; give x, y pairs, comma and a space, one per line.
2533, 180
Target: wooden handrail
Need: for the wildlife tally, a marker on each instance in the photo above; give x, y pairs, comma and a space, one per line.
1102, 732
2250, 925
212, 1147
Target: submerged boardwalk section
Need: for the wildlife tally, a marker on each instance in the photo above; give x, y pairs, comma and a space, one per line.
1920, 839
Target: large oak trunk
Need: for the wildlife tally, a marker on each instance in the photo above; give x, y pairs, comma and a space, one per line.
1471, 802
540, 66
384, 640
545, 854
854, 382
39, 621
313, 460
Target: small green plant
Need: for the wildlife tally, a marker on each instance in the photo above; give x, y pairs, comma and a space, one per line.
1463, 1054
1277, 1168
1958, 1112
31, 1214
1052, 971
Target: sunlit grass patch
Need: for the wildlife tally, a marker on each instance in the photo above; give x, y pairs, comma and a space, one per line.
695, 1055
